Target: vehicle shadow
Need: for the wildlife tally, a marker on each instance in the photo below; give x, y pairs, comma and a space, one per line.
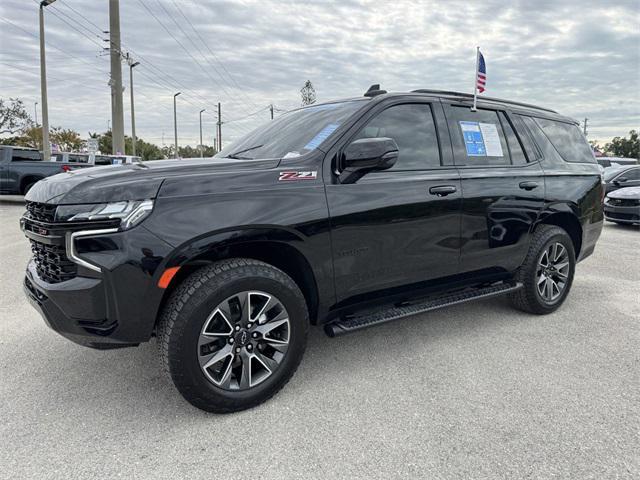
124, 383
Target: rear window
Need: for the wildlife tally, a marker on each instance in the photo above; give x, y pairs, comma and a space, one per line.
25, 156
568, 140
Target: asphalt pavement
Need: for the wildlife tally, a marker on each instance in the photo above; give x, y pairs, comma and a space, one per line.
474, 391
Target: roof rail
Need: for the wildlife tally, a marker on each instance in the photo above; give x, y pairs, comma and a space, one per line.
490, 99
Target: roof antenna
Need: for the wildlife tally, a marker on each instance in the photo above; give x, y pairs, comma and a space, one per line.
374, 90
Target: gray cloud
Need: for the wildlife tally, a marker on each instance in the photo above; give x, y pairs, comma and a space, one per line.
579, 57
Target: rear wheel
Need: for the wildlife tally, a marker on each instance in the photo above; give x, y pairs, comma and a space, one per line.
27, 187
547, 272
233, 334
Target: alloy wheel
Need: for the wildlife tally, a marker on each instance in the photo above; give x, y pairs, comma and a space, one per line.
552, 273
244, 340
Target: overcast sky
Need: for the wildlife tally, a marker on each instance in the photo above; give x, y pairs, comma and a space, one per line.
579, 57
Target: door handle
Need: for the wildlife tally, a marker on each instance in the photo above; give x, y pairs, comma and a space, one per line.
528, 185
442, 190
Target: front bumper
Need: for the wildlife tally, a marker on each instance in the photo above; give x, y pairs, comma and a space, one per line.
114, 308
76, 311
622, 214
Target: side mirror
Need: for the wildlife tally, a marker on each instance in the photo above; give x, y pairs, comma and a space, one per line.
620, 180
366, 155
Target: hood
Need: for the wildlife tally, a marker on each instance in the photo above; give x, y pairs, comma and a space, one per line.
627, 192
136, 181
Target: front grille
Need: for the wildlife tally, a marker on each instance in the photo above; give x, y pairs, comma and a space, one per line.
41, 212
52, 263
623, 202
49, 255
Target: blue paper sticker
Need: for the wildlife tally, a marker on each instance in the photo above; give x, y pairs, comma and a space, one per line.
321, 137
473, 139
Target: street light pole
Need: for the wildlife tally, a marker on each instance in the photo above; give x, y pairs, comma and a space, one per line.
201, 148
175, 124
133, 116
35, 108
46, 146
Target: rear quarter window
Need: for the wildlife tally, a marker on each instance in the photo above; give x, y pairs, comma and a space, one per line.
568, 140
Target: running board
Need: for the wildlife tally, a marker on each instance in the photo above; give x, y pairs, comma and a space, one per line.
359, 321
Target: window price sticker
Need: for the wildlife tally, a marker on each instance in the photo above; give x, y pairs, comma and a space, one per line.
481, 139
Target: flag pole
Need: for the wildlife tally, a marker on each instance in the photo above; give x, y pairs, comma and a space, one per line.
475, 80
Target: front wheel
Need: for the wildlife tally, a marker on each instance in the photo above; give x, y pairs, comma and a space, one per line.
547, 272
233, 334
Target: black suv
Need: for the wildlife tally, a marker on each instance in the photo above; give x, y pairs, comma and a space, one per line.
345, 214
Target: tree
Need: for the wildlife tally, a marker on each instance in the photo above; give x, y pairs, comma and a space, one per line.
13, 117
625, 147
67, 140
308, 93
31, 137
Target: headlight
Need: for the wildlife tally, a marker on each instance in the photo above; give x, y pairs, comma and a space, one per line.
130, 213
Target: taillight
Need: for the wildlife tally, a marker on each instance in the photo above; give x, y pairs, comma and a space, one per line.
66, 168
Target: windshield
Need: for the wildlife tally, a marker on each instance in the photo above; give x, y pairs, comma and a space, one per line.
292, 134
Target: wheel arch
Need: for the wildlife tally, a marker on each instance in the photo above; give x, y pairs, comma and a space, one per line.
568, 220
277, 247
27, 179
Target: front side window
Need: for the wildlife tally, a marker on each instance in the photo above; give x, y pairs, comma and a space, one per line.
568, 140
413, 128
478, 138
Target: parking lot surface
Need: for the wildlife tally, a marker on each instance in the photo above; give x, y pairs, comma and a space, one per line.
474, 391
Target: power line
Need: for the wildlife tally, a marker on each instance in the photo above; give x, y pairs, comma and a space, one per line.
240, 89
49, 44
161, 72
181, 45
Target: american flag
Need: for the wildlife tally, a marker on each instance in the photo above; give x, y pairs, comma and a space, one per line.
481, 74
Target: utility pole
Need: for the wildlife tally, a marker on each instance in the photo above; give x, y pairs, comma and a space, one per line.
219, 127
201, 148
175, 124
117, 111
271, 109
585, 127
35, 108
46, 146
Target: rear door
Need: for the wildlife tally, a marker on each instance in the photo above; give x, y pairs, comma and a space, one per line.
393, 228
502, 186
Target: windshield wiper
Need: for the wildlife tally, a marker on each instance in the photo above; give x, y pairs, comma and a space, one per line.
234, 155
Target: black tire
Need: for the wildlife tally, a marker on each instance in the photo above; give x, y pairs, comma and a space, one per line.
528, 299
27, 187
183, 318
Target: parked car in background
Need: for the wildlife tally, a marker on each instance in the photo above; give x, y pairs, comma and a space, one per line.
21, 168
620, 177
613, 161
94, 158
623, 206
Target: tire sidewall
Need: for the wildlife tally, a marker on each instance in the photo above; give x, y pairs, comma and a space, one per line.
566, 242
184, 365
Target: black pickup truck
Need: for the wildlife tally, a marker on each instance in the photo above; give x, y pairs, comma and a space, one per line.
21, 168
345, 214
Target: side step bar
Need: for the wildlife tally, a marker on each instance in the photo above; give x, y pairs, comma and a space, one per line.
359, 321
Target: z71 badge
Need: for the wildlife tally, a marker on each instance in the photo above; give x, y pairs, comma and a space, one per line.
293, 176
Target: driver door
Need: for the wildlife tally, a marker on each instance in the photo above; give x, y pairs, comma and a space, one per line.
392, 228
